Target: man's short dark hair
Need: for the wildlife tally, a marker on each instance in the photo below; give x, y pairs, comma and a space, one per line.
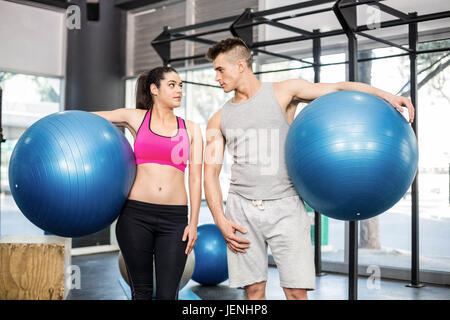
231, 45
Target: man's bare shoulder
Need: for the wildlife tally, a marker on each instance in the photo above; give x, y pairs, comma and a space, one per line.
215, 119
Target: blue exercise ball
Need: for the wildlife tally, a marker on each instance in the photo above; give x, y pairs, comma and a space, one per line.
210, 251
70, 173
351, 155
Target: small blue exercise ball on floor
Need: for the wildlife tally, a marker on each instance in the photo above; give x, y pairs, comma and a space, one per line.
211, 266
70, 173
351, 155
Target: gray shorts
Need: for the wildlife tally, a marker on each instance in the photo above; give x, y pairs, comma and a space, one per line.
282, 225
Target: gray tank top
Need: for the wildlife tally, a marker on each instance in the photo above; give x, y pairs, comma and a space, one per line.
255, 131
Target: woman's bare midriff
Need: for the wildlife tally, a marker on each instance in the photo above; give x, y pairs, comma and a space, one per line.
159, 184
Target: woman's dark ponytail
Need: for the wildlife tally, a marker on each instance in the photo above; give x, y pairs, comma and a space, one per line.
144, 99
143, 96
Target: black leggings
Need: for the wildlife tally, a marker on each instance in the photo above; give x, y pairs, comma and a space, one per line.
144, 229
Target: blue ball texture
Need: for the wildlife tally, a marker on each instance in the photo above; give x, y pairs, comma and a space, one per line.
70, 173
351, 155
210, 251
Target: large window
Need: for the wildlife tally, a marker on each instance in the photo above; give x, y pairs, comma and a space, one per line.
387, 238
434, 158
26, 99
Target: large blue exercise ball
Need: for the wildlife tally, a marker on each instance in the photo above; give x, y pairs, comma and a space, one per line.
351, 155
211, 266
70, 173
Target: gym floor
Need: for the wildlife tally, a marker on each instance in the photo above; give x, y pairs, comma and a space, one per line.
100, 280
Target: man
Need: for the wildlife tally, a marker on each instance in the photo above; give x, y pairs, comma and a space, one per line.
263, 208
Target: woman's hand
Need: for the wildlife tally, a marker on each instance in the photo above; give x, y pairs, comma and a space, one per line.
190, 233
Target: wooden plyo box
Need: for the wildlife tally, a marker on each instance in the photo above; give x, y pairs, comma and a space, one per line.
34, 267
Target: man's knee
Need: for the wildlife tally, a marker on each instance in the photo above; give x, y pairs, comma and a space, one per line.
256, 291
295, 294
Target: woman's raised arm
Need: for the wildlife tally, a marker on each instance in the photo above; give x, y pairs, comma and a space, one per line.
120, 117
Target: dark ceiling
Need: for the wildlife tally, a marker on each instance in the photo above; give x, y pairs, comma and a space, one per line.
123, 4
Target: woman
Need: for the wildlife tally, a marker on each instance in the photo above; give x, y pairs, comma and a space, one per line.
154, 219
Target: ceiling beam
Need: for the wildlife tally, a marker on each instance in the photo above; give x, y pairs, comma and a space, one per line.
134, 4
52, 3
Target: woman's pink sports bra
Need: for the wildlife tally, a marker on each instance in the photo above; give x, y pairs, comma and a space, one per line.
150, 147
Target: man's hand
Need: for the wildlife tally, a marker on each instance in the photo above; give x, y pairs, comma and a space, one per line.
398, 102
235, 243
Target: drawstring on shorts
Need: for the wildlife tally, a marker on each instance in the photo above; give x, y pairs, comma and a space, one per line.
259, 204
